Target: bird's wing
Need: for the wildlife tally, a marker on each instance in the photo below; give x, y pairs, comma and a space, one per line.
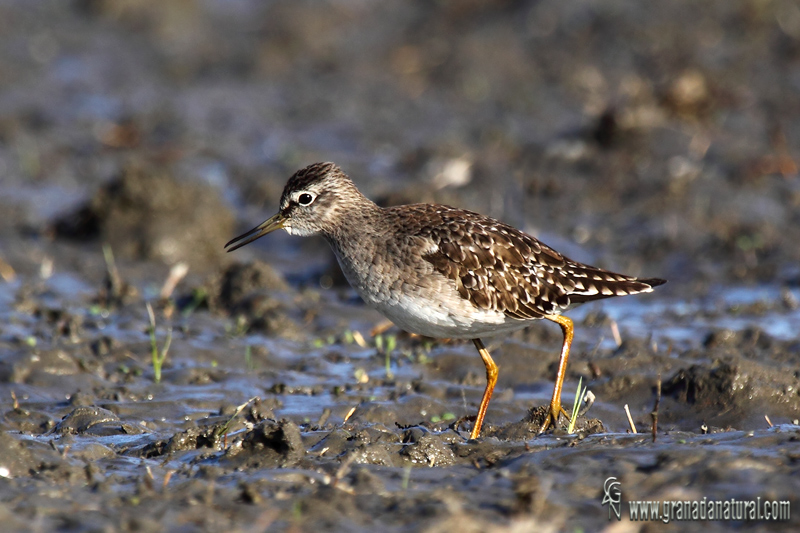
497, 267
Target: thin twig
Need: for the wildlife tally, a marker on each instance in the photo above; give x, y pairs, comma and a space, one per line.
167, 477
176, 274
588, 402
615, 333
654, 414
323, 419
359, 339
7, 271
630, 419
113, 279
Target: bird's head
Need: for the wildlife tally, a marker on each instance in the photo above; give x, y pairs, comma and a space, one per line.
313, 201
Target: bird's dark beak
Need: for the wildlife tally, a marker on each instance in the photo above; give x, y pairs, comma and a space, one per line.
276, 222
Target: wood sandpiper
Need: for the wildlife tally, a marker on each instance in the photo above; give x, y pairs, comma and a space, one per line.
443, 272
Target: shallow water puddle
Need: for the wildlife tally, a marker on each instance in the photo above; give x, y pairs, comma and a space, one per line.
686, 323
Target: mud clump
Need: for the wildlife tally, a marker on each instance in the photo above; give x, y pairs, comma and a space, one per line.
256, 295
530, 426
19, 458
427, 449
27, 421
38, 367
238, 283
150, 214
272, 444
190, 439
705, 387
94, 421
735, 391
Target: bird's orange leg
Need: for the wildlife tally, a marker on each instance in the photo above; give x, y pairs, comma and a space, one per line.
555, 403
491, 379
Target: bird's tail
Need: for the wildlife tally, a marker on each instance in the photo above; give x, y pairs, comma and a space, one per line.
592, 283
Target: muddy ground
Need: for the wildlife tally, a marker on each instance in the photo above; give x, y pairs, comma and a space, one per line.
657, 139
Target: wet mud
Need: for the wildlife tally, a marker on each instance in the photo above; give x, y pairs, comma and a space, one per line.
151, 382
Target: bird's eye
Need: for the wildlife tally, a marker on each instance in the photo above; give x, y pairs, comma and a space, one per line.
305, 198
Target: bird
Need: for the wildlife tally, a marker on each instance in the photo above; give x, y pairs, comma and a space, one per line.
443, 272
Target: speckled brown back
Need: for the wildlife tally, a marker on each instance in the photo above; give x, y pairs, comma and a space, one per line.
498, 267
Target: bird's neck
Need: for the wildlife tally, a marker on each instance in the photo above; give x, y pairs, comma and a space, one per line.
353, 221
353, 236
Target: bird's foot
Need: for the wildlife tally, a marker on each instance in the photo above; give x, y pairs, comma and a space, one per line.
552, 417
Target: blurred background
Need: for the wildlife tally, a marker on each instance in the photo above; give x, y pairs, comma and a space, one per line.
653, 138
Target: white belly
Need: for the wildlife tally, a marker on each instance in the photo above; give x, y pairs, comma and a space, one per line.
433, 310
454, 319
